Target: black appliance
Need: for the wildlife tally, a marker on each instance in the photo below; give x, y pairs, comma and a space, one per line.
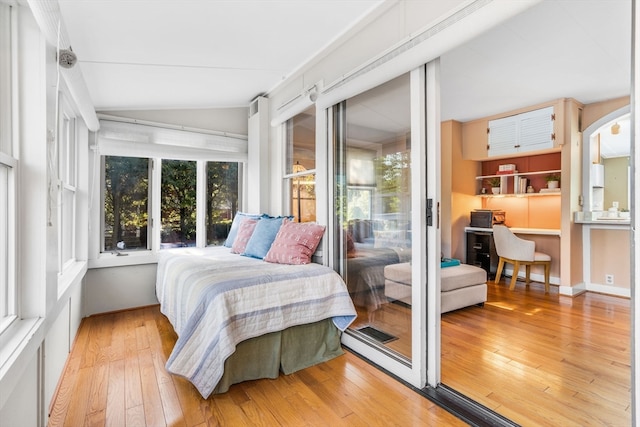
486, 218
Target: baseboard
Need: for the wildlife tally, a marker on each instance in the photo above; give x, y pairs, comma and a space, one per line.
553, 280
572, 291
607, 289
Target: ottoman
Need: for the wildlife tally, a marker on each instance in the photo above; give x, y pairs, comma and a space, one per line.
461, 285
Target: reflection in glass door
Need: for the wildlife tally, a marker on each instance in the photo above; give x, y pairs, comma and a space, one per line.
373, 213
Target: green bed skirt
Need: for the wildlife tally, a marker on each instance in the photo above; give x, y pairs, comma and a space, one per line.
286, 351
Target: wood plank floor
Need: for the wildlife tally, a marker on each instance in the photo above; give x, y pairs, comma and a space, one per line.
115, 376
543, 359
537, 359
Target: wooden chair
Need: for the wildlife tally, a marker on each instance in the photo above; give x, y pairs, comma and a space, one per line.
514, 250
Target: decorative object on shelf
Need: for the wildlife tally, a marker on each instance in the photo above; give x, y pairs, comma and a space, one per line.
530, 189
624, 213
553, 180
494, 183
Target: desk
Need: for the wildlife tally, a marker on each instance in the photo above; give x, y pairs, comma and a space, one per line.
481, 249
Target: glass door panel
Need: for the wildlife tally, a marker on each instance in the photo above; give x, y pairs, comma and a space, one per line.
373, 212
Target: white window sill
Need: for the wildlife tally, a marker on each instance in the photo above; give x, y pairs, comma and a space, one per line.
15, 352
108, 259
72, 273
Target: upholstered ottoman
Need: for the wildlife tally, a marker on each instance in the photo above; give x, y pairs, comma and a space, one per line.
461, 285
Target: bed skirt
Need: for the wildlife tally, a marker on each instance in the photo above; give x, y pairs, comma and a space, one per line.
285, 351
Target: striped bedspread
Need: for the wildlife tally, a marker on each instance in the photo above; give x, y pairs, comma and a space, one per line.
215, 299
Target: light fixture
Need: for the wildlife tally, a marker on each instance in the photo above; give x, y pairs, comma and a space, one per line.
297, 168
615, 129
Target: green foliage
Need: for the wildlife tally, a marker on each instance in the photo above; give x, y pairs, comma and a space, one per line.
178, 201
493, 182
125, 207
552, 177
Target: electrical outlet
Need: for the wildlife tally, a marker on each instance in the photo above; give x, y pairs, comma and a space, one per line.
608, 278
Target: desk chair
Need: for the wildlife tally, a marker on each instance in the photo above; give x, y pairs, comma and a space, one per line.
517, 251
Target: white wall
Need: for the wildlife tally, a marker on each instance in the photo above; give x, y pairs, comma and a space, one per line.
119, 288
49, 314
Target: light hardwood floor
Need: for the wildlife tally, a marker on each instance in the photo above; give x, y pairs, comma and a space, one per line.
537, 359
115, 376
543, 359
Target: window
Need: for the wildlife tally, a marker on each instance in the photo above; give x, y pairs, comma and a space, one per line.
68, 178
126, 203
222, 200
127, 207
8, 165
301, 164
164, 188
178, 205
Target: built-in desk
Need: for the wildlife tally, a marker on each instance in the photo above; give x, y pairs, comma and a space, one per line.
518, 230
481, 250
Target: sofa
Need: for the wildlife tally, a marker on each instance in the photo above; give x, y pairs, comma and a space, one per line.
461, 285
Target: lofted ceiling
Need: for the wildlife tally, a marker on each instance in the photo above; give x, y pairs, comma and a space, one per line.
162, 54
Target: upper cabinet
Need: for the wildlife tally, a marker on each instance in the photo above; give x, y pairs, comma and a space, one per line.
533, 130
522, 133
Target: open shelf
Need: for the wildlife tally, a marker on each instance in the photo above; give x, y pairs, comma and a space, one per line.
518, 174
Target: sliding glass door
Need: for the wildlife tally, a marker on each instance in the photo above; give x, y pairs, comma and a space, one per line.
379, 162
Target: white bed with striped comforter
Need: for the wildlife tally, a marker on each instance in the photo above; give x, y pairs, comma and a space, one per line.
215, 299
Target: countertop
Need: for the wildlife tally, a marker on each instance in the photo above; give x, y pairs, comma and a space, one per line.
598, 219
519, 230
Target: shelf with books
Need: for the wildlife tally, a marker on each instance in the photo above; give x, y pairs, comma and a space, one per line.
516, 186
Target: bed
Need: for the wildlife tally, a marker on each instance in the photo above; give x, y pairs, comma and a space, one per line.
365, 273
239, 318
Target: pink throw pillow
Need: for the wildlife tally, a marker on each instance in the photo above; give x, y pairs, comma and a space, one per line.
295, 243
245, 230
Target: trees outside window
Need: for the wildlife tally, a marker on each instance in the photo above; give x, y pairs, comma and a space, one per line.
126, 202
128, 183
222, 200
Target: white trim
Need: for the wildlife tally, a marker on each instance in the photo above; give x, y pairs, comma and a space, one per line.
109, 259
297, 105
48, 17
111, 118
554, 280
201, 204
433, 233
421, 276
635, 214
572, 291
430, 43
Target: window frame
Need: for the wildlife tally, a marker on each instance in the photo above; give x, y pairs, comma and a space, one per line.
290, 176
151, 163
157, 142
9, 311
67, 181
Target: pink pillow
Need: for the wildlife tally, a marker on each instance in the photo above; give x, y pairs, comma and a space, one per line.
245, 230
295, 243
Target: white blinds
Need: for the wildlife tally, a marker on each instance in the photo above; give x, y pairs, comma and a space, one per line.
142, 140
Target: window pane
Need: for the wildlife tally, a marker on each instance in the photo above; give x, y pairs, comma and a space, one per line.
373, 189
178, 203
301, 141
4, 238
222, 200
126, 202
67, 230
5, 79
303, 198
